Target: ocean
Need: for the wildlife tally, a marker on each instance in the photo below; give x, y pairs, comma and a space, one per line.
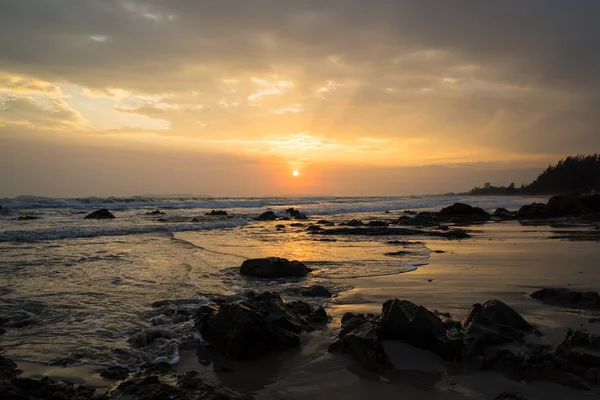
79, 291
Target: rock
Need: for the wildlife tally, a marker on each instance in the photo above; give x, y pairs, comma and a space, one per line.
155, 212
591, 201
316, 291
8, 369
217, 213
324, 222
568, 298
397, 253
354, 222
115, 373
273, 267
460, 212
266, 216
318, 316
297, 225
504, 213
421, 219
377, 223
385, 231
253, 328
566, 205
280, 226
149, 335
314, 228
298, 307
498, 312
405, 321
27, 218
103, 213
533, 211
363, 344
292, 212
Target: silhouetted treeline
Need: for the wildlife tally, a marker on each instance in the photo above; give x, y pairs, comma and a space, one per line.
574, 174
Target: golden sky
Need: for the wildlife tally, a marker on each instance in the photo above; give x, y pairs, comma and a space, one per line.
228, 98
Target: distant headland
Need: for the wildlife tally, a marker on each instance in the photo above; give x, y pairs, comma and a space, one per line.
578, 174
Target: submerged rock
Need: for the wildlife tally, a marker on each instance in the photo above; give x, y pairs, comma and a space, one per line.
314, 228
267, 216
115, 373
27, 218
273, 267
295, 213
378, 223
388, 231
316, 291
217, 213
354, 222
568, 298
155, 212
103, 213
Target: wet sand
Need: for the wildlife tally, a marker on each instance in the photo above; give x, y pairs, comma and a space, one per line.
503, 261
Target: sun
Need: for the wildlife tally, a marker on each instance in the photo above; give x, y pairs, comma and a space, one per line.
295, 173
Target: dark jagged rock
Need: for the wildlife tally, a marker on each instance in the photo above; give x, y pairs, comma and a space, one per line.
378, 223
460, 212
45, 388
27, 218
387, 231
397, 253
324, 222
266, 216
296, 214
316, 291
115, 373
568, 298
416, 325
8, 369
504, 213
354, 222
533, 211
493, 324
363, 344
566, 205
155, 212
314, 228
103, 213
319, 315
257, 326
149, 335
273, 267
217, 213
425, 218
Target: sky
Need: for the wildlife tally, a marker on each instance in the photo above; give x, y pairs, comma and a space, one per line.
230, 97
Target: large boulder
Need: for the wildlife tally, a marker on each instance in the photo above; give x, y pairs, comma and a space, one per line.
257, 326
591, 201
273, 267
424, 218
568, 298
102, 213
533, 211
405, 321
460, 212
266, 216
316, 291
241, 333
566, 205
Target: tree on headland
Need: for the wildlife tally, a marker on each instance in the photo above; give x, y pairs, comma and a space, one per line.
574, 174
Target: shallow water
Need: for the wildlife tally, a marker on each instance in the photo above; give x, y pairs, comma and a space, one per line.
76, 291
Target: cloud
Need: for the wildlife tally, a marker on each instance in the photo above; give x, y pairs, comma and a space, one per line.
51, 114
